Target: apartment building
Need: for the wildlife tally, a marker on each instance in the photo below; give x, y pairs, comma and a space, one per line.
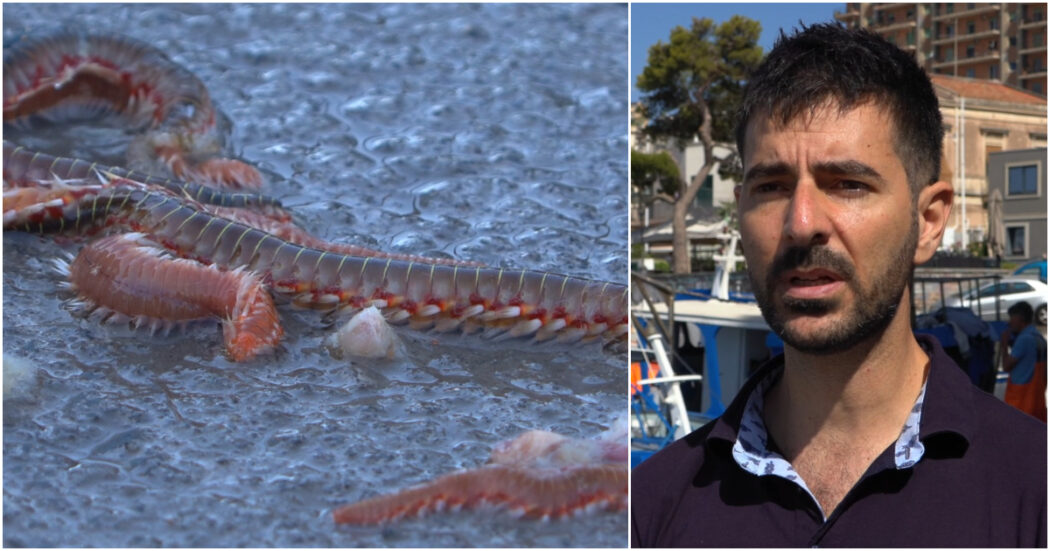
1001, 42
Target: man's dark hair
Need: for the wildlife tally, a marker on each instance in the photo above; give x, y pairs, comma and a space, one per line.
850, 66
1022, 310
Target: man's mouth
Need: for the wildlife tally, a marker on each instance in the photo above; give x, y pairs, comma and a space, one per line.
805, 282
812, 284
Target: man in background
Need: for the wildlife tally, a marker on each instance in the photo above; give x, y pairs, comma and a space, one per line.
1025, 361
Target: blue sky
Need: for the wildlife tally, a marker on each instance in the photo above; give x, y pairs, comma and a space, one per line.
651, 23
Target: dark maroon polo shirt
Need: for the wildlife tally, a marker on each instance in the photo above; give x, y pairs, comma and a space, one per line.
980, 483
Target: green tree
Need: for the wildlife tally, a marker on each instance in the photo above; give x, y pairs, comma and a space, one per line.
693, 86
657, 173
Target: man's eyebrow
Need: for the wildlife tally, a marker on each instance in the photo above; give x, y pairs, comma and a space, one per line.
765, 170
837, 168
848, 168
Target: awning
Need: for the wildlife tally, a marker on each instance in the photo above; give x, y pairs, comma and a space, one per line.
696, 230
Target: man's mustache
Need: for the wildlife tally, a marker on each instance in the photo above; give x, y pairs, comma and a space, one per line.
810, 258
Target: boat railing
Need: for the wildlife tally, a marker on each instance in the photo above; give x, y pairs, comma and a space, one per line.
653, 333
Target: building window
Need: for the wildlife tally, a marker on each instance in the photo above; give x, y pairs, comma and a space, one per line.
1037, 87
993, 71
992, 45
971, 72
705, 195
949, 8
1013, 65
1017, 240
1013, 40
993, 23
1022, 180
970, 51
971, 27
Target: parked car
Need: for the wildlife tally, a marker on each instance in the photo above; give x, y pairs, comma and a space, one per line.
1011, 290
1034, 269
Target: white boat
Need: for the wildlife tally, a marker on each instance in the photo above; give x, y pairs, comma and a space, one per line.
734, 336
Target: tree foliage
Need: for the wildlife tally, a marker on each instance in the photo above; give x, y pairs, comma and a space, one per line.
703, 63
692, 89
656, 172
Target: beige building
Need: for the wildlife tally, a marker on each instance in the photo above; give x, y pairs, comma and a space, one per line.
981, 117
1000, 42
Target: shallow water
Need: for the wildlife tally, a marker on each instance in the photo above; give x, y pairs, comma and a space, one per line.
491, 133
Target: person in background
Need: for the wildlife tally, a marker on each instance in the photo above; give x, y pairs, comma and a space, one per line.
1025, 361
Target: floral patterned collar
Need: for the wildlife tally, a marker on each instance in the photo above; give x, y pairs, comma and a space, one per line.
752, 451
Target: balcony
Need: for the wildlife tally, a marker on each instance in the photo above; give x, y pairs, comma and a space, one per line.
976, 35
1041, 73
895, 26
890, 6
910, 48
977, 10
1032, 50
1041, 22
987, 33
847, 16
990, 56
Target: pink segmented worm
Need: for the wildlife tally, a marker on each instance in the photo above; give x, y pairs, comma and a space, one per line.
545, 494
518, 302
128, 275
66, 74
539, 474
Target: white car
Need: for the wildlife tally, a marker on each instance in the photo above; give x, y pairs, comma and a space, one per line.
1011, 290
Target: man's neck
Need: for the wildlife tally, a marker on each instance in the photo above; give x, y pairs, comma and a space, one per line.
832, 415
856, 394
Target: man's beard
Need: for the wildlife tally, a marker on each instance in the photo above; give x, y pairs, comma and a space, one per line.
873, 307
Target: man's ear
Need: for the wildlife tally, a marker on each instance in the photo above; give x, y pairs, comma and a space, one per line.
934, 205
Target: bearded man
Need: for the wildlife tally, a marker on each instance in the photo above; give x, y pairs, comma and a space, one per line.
861, 434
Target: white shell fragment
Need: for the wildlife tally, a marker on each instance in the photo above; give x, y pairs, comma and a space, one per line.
366, 335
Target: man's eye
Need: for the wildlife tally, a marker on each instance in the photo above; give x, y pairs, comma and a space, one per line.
853, 186
767, 187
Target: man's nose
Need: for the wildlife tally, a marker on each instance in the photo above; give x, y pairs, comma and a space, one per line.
806, 221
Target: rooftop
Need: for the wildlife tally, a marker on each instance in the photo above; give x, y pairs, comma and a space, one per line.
986, 89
